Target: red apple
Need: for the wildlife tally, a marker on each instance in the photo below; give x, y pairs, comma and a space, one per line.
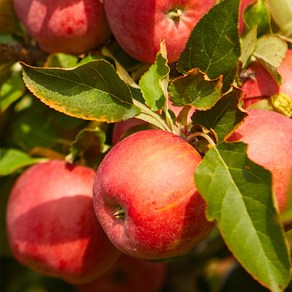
269, 139
263, 85
145, 196
51, 223
67, 26
129, 274
139, 26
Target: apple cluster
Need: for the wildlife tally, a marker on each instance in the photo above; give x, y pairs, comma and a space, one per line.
100, 229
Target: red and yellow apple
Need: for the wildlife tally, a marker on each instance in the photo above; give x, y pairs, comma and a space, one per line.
67, 26
145, 196
129, 274
139, 26
269, 139
51, 224
262, 84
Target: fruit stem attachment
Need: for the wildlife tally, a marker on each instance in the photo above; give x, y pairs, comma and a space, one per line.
120, 213
200, 134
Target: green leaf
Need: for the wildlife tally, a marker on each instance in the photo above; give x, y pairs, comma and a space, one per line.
248, 45
239, 197
257, 15
223, 117
88, 138
271, 51
12, 160
214, 46
62, 60
92, 91
11, 90
154, 82
195, 89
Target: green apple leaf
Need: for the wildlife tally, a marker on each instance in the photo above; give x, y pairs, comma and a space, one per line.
154, 82
257, 15
12, 160
195, 89
224, 116
270, 52
92, 91
248, 45
239, 197
11, 90
88, 138
214, 46
62, 60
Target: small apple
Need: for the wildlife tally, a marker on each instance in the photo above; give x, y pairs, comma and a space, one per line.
129, 274
145, 196
269, 139
69, 26
261, 84
51, 224
139, 26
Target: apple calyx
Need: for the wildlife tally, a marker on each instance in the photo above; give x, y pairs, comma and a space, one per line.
120, 213
175, 14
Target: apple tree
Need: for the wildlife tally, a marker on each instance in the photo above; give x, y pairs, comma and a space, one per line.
65, 102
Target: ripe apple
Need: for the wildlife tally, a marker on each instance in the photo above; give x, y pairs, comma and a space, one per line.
263, 85
129, 274
51, 223
145, 196
139, 26
269, 139
69, 26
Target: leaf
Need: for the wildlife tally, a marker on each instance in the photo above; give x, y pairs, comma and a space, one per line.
257, 15
92, 91
154, 82
214, 46
88, 138
239, 197
12, 160
8, 21
224, 116
195, 89
248, 45
62, 60
11, 90
271, 51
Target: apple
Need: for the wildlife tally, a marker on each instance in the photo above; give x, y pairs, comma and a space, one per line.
51, 224
139, 26
69, 26
269, 139
261, 84
129, 274
145, 196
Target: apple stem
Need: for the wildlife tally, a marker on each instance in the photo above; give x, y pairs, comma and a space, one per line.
120, 213
205, 136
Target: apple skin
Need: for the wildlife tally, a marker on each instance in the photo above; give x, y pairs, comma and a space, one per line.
263, 84
145, 196
51, 224
269, 139
67, 26
139, 26
129, 274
